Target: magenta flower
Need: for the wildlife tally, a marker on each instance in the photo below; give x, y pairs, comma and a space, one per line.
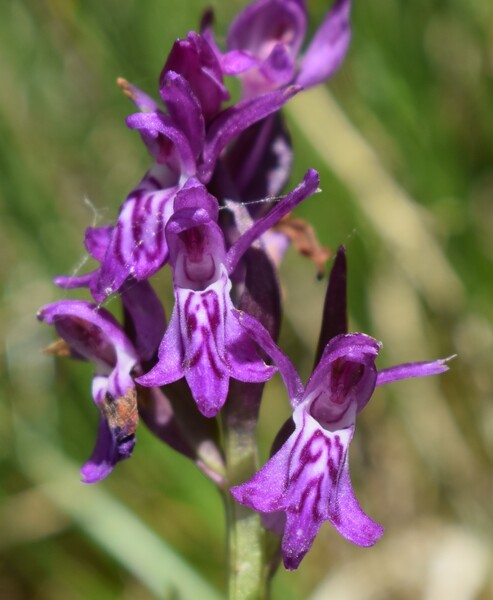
265, 39
204, 342
307, 481
93, 334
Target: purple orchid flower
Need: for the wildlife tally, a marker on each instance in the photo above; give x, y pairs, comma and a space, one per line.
93, 334
204, 342
307, 481
265, 39
137, 247
141, 304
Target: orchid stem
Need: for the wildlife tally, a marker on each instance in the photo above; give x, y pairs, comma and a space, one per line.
248, 577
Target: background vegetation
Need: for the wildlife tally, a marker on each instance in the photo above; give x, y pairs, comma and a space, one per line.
404, 145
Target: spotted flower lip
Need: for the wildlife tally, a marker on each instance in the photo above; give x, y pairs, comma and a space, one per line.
137, 247
307, 481
93, 334
204, 342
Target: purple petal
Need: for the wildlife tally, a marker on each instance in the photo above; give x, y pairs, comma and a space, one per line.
260, 161
203, 339
157, 413
113, 444
231, 63
235, 119
265, 491
271, 31
103, 458
244, 360
279, 66
347, 516
146, 321
194, 195
158, 130
184, 108
308, 186
169, 367
408, 370
343, 381
328, 47
138, 245
96, 241
236, 62
141, 100
265, 23
334, 316
286, 368
92, 332
71, 282
196, 245
196, 62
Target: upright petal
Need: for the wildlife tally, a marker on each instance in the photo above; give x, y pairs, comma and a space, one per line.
266, 23
96, 241
334, 316
196, 245
138, 245
184, 108
308, 186
196, 62
166, 141
92, 332
328, 47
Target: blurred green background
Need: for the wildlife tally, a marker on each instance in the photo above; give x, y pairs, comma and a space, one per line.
404, 145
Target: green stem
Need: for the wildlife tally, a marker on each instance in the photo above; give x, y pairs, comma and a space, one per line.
248, 576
